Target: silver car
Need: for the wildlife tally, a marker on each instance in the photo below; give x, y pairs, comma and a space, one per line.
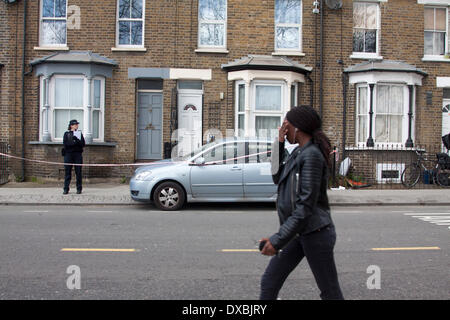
228, 170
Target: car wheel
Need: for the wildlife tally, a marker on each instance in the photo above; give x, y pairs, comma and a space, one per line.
169, 196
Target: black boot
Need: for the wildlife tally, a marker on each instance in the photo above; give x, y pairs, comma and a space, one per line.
66, 191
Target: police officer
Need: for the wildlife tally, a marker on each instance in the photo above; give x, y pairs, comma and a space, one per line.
73, 146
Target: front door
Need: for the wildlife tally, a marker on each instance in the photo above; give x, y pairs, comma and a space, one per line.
149, 126
189, 122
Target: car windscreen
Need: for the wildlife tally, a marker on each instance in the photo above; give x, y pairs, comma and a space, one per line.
199, 150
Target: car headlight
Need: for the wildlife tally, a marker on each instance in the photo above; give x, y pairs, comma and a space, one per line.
143, 175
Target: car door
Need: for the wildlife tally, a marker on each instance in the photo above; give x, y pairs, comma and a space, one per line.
257, 171
222, 174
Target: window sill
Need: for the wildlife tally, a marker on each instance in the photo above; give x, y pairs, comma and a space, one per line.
211, 50
60, 143
51, 48
366, 57
435, 59
288, 53
119, 49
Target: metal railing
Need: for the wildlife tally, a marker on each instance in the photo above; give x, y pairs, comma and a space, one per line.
382, 167
4, 148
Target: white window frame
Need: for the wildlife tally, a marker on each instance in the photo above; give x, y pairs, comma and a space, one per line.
446, 49
369, 55
266, 113
295, 102
358, 113
225, 24
237, 112
101, 125
405, 117
118, 20
252, 95
41, 31
290, 25
52, 97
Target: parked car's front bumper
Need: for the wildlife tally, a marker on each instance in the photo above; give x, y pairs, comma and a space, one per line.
140, 190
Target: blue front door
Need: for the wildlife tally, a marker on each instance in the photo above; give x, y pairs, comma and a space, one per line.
149, 126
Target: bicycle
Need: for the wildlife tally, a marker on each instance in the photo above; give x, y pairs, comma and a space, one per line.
443, 170
440, 174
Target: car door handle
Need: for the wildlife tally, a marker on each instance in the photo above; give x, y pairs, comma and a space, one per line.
236, 169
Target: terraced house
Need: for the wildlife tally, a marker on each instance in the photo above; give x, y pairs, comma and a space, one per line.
144, 75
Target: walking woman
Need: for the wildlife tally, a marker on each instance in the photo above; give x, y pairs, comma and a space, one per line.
73, 146
307, 229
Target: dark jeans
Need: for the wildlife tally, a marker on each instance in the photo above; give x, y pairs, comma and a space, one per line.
72, 157
318, 249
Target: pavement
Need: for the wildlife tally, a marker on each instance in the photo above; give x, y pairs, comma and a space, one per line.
119, 194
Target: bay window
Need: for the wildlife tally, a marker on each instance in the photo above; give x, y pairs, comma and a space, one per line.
390, 113
69, 99
269, 100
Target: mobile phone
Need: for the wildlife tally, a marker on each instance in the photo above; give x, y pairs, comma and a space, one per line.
262, 244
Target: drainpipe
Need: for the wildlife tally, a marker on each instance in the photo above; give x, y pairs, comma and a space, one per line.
23, 85
344, 112
321, 60
311, 91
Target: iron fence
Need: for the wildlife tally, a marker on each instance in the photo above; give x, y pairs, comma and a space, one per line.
389, 167
4, 147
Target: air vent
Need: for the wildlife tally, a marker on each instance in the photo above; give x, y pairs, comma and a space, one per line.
389, 172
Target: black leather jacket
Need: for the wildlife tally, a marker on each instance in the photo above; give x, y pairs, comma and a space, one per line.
72, 143
302, 202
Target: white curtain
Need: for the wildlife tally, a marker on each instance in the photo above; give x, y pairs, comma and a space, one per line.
267, 126
69, 93
396, 110
268, 97
362, 114
389, 114
62, 118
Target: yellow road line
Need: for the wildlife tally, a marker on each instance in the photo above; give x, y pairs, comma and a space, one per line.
406, 248
239, 250
96, 250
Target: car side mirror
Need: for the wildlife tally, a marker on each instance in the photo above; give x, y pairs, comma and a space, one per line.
200, 161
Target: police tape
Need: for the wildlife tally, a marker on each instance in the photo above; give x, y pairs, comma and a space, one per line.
128, 164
